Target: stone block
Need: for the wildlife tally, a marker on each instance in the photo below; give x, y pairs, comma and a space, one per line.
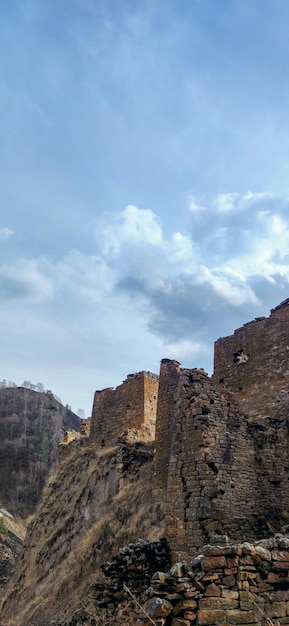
276, 609
229, 581
211, 617
157, 607
218, 603
184, 605
213, 562
236, 616
231, 594
280, 555
263, 553
213, 590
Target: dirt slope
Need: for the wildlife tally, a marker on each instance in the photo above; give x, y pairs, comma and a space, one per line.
98, 502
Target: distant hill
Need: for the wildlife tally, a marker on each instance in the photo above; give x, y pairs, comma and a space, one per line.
31, 427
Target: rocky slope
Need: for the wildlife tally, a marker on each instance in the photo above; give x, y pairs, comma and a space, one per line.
12, 534
31, 427
99, 502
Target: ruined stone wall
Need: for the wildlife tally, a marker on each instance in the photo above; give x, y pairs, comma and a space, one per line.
85, 427
129, 410
229, 584
220, 474
254, 364
233, 584
168, 387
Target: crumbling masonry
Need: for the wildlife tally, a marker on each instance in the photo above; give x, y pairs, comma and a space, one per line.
221, 445
129, 411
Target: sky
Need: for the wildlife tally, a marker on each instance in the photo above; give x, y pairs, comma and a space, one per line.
144, 183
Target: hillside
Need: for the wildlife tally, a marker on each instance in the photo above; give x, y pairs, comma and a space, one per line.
98, 502
210, 494
31, 427
12, 533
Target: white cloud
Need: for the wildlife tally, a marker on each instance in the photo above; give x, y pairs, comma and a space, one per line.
6, 233
231, 288
145, 295
132, 226
194, 206
185, 350
26, 279
225, 202
89, 277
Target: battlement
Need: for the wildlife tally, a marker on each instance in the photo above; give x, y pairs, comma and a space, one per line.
128, 411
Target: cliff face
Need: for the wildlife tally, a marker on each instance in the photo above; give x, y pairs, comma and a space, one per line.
31, 427
12, 533
99, 502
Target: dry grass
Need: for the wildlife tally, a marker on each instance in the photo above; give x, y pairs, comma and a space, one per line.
66, 546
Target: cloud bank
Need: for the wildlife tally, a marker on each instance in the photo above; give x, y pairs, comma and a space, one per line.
143, 294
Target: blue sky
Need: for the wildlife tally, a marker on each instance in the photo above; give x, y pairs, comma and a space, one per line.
144, 194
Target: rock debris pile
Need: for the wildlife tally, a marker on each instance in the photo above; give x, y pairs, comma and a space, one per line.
229, 584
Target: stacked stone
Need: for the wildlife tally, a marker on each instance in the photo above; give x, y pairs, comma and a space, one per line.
130, 407
133, 567
212, 484
135, 564
85, 427
231, 584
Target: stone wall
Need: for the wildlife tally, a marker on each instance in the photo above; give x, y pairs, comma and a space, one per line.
128, 410
85, 427
221, 459
233, 584
168, 389
254, 364
220, 474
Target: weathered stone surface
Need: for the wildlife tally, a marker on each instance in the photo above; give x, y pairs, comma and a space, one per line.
157, 607
218, 603
276, 609
129, 410
184, 605
213, 590
240, 617
213, 562
263, 553
207, 617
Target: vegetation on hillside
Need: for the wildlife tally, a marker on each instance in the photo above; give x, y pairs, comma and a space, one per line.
31, 427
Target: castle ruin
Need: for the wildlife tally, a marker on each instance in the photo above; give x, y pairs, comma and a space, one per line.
221, 460
128, 411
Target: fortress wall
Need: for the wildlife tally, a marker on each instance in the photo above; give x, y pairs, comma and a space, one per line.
219, 473
254, 364
131, 405
167, 397
210, 449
